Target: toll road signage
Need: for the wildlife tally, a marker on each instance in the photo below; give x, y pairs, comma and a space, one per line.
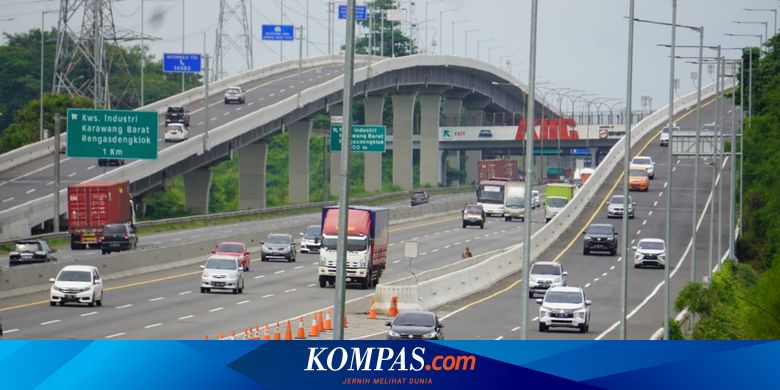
278, 32
369, 139
361, 13
112, 134
181, 63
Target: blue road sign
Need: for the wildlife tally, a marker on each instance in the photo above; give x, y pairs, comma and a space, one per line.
181, 63
580, 151
361, 13
278, 32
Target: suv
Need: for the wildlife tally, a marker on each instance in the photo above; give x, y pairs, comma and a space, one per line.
176, 132
118, 237
77, 283
474, 214
420, 197
311, 239
650, 251
600, 237
615, 207
564, 307
544, 275
235, 249
176, 114
31, 251
222, 272
279, 246
234, 95
645, 162
665, 135
110, 162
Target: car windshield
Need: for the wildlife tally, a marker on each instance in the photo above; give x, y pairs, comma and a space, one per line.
473, 210
312, 231
354, 244
617, 200
600, 230
114, 229
26, 247
491, 194
418, 195
545, 269
414, 319
642, 161
233, 248
233, 90
222, 264
515, 202
665, 130
637, 172
175, 109
652, 245
75, 276
175, 126
278, 240
556, 202
573, 297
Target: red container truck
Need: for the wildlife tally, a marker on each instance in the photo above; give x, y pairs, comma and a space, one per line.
498, 169
367, 233
93, 205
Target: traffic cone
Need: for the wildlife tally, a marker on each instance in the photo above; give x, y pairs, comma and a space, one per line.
266, 336
277, 335
346, 323
288, 331
313, 332
206, 338
233, 334
320, 324
393, 311
328, 322
372, 311
301, 332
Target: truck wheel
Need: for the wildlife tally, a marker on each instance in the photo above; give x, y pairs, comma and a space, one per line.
482, 225
585, 251
365, 284
613, 252
52, 303
323, 282
464, 225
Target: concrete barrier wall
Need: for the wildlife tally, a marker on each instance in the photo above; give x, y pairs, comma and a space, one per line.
446, 284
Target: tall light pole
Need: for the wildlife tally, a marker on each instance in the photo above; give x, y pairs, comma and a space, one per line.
669, 171
281, 21
490, 52
766, 27
626, 161
182, 40
441, 28
453, 32
427, 3
466, 41
774, 11
750, 86
143, 52
507, 57
479, 43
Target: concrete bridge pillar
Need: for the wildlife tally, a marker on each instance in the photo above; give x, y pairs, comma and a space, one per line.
453, 161
335, 157
298, 162
473, 116
252, 161
452, 117
430, 107
403, 115
372, 169
197, 185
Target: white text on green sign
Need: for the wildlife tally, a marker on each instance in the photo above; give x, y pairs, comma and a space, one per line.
112, 134
364, 138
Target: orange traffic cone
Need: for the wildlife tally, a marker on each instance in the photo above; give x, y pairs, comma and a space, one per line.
372, 311
221, 336
328, 322
346, 323
233, 334
320, 323
266, 336
206, 338
277, 335
301, 334
313, 332
288, 331
393, 311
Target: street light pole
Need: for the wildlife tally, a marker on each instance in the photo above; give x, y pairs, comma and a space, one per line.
427, 3
774, 11
40, 119
669, 171
766, 27
143, 52
441, 28
626, 161
490, 52
453, 33
182, 41
466, 41
479, 42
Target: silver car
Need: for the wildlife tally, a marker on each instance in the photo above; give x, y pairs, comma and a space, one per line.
565, 307
615, 207
222, 272
234, 95
278, 246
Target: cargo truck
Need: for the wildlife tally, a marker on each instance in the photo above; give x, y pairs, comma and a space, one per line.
514, 203
497, 169
558, 196
367, 233
93, 205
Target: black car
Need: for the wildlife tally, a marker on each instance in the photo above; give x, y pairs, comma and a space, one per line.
176, 114
31, 251
118, 237
420, 197
110, 162
600, 237
415, 325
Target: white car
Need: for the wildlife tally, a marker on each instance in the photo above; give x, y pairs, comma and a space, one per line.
311, 239
176, 132
545, 275
234, 95
536, 199
564, 307
665, 135
645, 162
77, 284
222, 272
650, 251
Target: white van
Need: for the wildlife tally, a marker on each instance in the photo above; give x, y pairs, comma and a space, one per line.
514, 201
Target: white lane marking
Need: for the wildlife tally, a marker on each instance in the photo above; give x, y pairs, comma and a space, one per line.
446, 247
200, 123
111, 336
187, 317
469, 240
311, 285
619, 259
612, 268
282, 90
3, 182
456, 244
290, 290
11, 330
279, 272
259, 276
499, 338
315, 263
678, 161
243, 302
515, 329
239, 109
92, 313
153, 325
503, 231
604, 274
639, 232
655, 203
396, 261
535, 319
673, 169
272, 95
50, 322
267, 296
446, 231
250, 103
644, 222
587, 285
91, 167
213, 119
423, 254
298, 267
49, 183
596, 279
650, 213
215, 309
436, 234
185, 292
156, 299
660, 194
390, 244
666, 184
261, 99
30, 191
72, 174
476, 238
632, 240
435, 250
226, 113
415, 238
124, 306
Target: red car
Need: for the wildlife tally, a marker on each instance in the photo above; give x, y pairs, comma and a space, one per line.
237, 249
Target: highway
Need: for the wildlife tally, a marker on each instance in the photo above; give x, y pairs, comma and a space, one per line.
600, 275
35, 179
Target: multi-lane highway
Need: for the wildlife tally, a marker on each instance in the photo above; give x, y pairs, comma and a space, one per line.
600, 275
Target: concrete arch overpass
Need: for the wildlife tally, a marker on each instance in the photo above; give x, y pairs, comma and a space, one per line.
463, 89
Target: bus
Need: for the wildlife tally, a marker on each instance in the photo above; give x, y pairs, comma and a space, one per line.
491, 196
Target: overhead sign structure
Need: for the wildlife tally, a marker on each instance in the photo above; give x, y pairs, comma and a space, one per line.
278, 32
361, 13
396, 15
181, 63
112, 134
370, 139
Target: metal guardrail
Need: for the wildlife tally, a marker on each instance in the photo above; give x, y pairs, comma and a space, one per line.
242, 213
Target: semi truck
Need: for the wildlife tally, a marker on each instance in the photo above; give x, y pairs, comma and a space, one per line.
514, 201
558, 196
93, 205
367, 238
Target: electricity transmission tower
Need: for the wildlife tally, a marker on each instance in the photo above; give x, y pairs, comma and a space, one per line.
233, 35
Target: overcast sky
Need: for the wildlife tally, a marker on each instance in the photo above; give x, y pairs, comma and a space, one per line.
582, 44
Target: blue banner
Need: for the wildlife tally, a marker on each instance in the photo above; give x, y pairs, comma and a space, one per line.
450, 365
361, 13
278, 32
181, 63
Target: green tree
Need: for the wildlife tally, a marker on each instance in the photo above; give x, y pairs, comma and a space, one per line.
25, 128
395, 41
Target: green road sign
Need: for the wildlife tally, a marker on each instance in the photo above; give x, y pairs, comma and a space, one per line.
112, 134
364, 138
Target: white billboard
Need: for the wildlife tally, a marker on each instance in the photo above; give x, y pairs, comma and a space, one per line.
396, 15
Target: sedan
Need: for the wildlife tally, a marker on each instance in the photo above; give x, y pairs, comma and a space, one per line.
278, 246
415, 325
31, 251
118, 237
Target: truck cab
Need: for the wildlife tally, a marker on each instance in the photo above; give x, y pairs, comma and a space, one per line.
558, 196
514, 201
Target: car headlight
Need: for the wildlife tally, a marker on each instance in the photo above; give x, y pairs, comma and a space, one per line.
532, 279
580, 314
265, 248
84, 289
610, 238
662, 256
206, 275
393, 333
587, 238
13, 253
430, 335
557, 280
543, 312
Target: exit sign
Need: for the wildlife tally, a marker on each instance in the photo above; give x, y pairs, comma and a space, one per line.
112, 134
364, 138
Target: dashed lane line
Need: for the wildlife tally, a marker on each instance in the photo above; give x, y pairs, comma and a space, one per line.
290, 290
216, 309
279, 272
153, 325
125, 306
92, 313
187, 317
185, 292
156, 299
267, 296
49, 322
243, 302
111, 336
